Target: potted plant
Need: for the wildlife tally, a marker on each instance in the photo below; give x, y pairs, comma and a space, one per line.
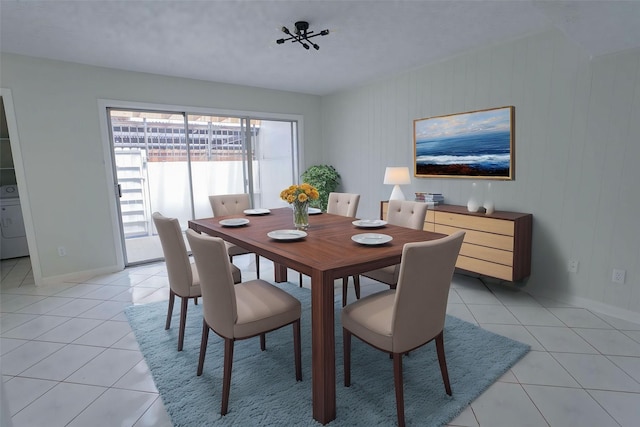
325, 179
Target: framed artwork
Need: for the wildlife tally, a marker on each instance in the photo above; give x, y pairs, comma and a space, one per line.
477, 144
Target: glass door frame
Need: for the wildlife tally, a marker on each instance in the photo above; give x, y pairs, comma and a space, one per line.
112, 181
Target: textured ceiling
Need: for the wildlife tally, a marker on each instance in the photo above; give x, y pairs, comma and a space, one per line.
234, 41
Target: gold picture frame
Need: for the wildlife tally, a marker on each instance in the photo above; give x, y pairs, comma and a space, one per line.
477, 144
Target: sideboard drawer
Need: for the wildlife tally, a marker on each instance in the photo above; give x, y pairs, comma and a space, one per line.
431, 216
498, 241
467, 222
485, 268
497, 256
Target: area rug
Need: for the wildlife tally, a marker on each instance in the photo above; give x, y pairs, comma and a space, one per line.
264, 391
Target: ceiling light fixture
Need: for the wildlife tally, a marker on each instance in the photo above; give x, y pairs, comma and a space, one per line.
302, 35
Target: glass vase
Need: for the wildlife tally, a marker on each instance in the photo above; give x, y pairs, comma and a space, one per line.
488, 201
473, 204
301, 215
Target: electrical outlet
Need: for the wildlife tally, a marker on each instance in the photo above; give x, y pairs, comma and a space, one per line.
572, 266
62, 251
618, 275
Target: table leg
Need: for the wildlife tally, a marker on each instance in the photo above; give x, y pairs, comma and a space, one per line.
279, 273
323, 356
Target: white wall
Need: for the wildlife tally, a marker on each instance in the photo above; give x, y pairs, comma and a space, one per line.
58, 123
577, 152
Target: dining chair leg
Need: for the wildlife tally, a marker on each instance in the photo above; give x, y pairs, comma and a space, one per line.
203, 346
345, 285
346, 350
443, 362
297, 348
226, 376
397, 377
183, 320
257, 266
263, 342
356, 285
172, 298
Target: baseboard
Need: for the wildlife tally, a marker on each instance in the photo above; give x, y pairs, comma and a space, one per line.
596, 306
79, 276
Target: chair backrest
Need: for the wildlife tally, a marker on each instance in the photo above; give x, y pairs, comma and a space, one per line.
229, 204
175, 253
345, 204
406, 213
422, 293
216, 282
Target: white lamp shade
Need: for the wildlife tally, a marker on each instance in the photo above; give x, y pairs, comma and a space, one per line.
397, 176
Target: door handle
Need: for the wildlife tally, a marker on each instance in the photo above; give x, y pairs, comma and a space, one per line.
119, 189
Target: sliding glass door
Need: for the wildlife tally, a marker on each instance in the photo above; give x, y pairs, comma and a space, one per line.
274, 144
171, 162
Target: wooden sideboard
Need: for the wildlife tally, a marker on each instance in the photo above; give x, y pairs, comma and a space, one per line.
496, 245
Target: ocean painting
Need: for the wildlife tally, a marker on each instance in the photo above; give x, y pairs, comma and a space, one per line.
477, 144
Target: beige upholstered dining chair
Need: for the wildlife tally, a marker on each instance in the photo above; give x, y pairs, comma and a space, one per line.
233, 204
238, 312
404, 214
183, 276
399, 320
345, 204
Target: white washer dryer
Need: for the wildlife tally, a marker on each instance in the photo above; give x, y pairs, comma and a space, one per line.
13, 238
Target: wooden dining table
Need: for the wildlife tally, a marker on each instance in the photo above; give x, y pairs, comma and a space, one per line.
325, 254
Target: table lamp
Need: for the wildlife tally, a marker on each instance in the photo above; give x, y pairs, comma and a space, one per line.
397, 176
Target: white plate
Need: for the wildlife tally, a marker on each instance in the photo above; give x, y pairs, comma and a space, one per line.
369, 223
258, 211
371, 238
287, 234
234, 222
314, 211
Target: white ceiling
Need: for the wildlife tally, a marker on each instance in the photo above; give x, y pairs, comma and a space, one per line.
234, 41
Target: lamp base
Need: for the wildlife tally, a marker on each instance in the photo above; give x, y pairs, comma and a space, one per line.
397, 193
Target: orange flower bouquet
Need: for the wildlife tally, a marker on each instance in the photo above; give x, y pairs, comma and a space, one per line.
298, 197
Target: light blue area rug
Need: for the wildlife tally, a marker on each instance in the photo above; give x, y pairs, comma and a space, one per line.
264, 391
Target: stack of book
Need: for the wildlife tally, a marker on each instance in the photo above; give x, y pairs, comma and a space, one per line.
431, 198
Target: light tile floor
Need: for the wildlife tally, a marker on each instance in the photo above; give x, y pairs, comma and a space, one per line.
68, 356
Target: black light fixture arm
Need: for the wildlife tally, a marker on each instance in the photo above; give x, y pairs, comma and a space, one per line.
302, 35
